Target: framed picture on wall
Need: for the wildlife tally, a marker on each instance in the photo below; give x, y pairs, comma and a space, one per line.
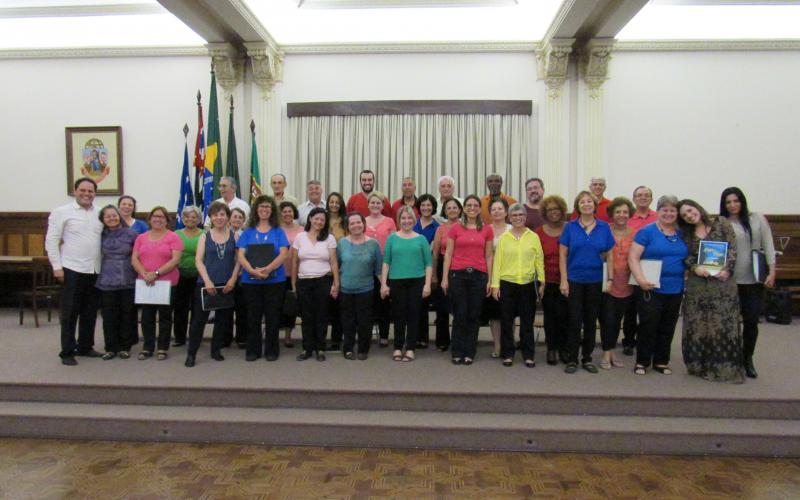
95, 152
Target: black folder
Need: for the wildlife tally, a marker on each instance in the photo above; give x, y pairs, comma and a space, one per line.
260, 255
217, 301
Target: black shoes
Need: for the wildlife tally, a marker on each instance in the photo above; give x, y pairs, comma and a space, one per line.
552, 357
250, 357
362, 356
749, 368
303, 356
217, 356
627, 350
571, 368
589, 367
271, 357
189, 361
334, 347
69, 361
320, 356
91, 353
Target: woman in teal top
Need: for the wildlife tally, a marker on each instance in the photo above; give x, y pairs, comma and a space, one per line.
406, 275
184, 292
360, 263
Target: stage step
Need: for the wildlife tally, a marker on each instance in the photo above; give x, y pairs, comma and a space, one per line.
388, 400
404, 429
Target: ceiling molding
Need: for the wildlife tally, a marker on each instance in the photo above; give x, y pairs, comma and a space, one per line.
393, 4
82, 10
704, 45
89, 52
410, 47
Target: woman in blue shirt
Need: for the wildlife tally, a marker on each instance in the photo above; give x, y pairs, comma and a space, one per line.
658, 307
426, 226
582, 249
263, 287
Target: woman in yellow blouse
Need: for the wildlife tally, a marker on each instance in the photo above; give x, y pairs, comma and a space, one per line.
517, 270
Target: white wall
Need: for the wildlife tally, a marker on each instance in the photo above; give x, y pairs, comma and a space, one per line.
693, 123
364, 77
150, 98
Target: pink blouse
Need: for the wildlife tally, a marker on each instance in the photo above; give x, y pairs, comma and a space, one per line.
381, 231
154, 254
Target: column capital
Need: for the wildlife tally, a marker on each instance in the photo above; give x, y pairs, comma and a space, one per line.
595, 56
553, 61
267, 63
228, 65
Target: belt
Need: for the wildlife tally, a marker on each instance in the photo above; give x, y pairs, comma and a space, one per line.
469, 270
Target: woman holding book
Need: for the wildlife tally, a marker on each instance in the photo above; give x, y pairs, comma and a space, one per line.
712, 343
660, 305
752, 234
218, 272
155, 257
261, 250
315, 278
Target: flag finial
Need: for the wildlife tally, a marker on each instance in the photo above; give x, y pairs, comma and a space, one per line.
185, 130
252, 126
198, 97
231, 101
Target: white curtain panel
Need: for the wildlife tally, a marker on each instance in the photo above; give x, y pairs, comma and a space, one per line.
334, 149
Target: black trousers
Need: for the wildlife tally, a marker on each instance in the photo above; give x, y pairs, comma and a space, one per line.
184, 303
751, 300
441, 304
467, 291
355, 310
556, 317
288, 320
240, 312
658, 316
517, 300
164, 313
630, 324
313, 295
584, 308
612, 312
79, 301
263, 302
423, 334
335, 320
406, 300
119, 319
382, 310
223, 325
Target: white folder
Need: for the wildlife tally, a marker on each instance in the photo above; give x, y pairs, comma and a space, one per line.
157, 294
651, 270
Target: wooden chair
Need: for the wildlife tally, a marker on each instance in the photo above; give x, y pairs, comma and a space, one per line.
44, 287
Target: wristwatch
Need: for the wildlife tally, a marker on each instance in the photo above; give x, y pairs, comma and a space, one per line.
158, 273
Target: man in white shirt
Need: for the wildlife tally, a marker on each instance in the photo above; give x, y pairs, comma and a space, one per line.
73, 247
314, 192
227, 188
447, 188
278, 184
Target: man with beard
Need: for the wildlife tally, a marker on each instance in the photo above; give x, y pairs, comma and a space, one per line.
494, 183
534, 191
358, 202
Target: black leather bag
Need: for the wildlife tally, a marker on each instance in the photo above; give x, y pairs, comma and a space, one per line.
290, 305
778, 306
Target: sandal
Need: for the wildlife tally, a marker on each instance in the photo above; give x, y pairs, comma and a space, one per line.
508, 362
383, 342
124, 355
397, 355
457, 361
408, 357
639, 370
349, 355
617, 363
571, 368
529, 363
161, 355
145, 355
605, 364
468, 361
109, 355
495, 354
664, 370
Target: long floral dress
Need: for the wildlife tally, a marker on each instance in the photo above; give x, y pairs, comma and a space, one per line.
712, 342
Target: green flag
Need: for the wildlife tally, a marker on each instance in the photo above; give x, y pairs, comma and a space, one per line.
231, 160
213, 160
255, 176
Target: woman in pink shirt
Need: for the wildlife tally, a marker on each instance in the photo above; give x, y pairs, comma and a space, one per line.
380, 227
452, 211
618, 292
155, 257
467, 267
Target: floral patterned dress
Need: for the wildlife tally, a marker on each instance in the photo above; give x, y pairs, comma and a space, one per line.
712, 342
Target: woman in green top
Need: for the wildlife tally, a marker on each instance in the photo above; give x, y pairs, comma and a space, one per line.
406, 275
184, 292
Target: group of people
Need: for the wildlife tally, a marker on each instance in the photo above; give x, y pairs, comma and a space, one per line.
367, 262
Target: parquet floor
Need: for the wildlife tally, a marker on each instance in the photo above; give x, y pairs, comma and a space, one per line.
49, 469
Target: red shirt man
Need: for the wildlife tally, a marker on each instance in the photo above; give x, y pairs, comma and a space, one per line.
358, 202
643, 215
409, 198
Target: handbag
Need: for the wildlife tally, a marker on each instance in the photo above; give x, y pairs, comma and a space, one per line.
778, 306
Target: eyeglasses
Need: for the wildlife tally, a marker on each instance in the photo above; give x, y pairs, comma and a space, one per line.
518, 215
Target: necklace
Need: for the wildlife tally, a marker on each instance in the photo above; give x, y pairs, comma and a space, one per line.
672, 238
588, 227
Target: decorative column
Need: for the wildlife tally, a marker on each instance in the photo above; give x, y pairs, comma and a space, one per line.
593, 69
553, 64
266, 63
228, 65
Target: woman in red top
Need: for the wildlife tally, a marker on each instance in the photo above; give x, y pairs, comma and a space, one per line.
467, 266
554, 305
618, 292
452, 210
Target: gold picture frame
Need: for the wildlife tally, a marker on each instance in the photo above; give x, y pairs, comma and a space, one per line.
95, 152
